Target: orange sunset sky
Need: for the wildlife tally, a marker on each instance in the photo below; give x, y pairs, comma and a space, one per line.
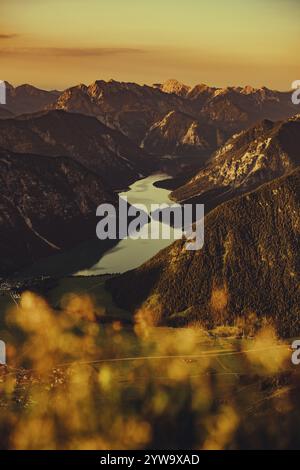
59, 43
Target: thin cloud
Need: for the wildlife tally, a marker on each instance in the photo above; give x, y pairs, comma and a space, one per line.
8, 36
68, 52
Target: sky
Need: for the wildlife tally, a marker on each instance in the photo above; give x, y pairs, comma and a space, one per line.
60, 43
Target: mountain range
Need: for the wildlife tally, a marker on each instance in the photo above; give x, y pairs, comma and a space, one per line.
151, 115
235, 149
134, 109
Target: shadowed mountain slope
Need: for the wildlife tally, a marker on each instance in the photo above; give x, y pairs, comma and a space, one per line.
46, 205
28, 99
5, 114
55, 133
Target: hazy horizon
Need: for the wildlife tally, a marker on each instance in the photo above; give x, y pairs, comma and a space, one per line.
59, 43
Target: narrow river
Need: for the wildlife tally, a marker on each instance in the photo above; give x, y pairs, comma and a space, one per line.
128, 253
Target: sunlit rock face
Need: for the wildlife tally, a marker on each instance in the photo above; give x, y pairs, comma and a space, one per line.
264, 152
176, 87
181, 134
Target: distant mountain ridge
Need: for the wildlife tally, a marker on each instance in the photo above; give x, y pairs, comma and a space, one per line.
27, 99
136, 109
128, 107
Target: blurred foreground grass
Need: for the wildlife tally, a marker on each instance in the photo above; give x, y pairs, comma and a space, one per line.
73, 382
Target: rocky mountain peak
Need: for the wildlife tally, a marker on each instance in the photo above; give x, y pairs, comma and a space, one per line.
200, 89
174, 86
248, 89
